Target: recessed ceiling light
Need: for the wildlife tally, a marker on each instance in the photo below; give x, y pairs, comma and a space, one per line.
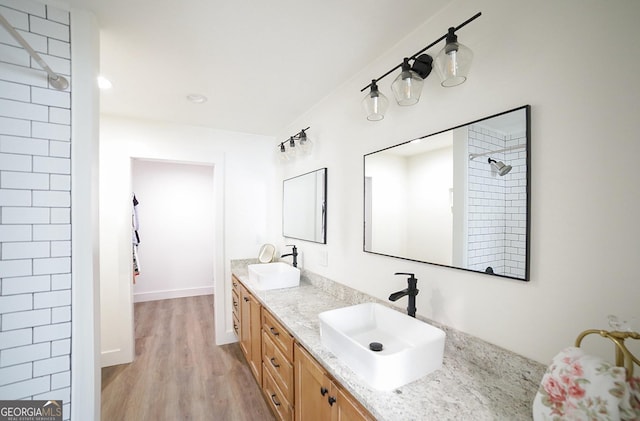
197, 98
104, 83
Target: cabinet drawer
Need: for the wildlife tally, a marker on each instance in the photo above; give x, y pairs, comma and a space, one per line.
236, 325
275, 397
235, 285
278, 365
278, 334
235, 301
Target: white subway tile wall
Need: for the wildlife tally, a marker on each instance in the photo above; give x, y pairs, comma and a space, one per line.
35, 207
497, 205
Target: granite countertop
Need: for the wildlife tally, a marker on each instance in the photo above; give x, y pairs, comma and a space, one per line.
472, 384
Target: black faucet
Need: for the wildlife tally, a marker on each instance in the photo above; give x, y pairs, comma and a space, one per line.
294, 253
411, 291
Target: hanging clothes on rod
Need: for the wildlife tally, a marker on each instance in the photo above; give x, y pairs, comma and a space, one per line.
135, 237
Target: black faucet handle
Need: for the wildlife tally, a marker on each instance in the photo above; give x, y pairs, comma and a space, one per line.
410, 275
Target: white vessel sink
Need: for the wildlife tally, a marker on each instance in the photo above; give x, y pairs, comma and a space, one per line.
411, 348
273, 275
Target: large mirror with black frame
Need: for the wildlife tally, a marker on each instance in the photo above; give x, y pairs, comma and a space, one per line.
304, 207
458, 198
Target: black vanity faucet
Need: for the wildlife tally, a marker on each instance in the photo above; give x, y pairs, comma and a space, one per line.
294, 253
411, 291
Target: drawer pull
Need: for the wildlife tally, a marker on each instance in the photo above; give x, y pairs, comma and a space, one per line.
274, 331
235, 284
273, 362
235, 303
246, 299
331, 400
273, 399
323, 391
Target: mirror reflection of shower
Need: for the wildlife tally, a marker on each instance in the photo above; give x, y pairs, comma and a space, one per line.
500, 167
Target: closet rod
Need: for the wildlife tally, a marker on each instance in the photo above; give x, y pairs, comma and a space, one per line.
56, 80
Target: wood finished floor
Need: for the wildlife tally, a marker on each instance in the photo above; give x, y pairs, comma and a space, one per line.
179, 373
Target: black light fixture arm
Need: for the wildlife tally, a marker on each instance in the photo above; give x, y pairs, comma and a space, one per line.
413, 57
292, 138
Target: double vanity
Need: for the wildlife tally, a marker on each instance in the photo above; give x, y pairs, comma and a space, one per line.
321, 350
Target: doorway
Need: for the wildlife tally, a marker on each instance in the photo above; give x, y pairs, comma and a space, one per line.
176, 229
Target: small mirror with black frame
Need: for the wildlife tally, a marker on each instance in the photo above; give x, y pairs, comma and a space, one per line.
304, 207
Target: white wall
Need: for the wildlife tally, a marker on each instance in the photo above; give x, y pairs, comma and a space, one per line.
575, 62
176, 229
85, 247
388, 174
429, 179
243, 179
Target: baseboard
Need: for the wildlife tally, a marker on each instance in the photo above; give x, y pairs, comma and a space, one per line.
171, 293
113, 357
227, 338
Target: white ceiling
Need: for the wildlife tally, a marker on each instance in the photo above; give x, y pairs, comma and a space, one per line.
260, 63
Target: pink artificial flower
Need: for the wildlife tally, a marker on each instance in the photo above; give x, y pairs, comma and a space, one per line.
556, 392
576, 392
576, 369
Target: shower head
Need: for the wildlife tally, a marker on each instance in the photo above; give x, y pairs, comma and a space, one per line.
500, 167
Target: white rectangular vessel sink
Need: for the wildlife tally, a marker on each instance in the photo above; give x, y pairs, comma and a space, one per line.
273, 275
411, 348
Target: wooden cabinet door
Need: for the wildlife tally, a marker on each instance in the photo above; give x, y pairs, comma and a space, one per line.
245, 322
348, 409
317, 398
250, 325
255, 359
312, 388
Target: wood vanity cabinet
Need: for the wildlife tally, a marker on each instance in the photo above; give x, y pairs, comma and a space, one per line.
318, 398
250, 337
294, 384
277, 363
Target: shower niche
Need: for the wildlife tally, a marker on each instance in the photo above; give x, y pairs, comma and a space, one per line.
458, 198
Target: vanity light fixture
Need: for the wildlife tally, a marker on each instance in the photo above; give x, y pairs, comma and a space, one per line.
289, 149
452, 63
304, 141
375, 103
408, 85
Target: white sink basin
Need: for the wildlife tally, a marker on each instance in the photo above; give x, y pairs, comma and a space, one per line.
273, 275
411, 348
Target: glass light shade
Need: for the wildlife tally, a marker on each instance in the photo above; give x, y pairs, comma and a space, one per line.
407, 88
453, 63
305, 143
291, 152
375, 105
282, 153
